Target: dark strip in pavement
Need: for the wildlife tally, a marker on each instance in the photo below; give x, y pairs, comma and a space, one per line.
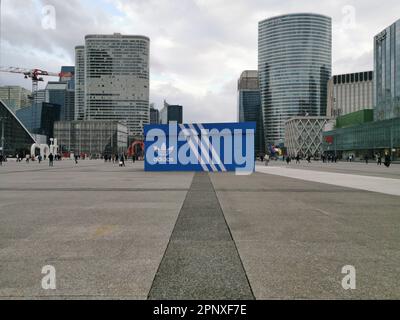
34, 189
201, 260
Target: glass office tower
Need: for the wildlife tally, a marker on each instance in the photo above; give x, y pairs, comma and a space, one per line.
249, 106
387, 73
294, 65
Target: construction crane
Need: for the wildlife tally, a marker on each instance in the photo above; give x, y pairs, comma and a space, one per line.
36, 75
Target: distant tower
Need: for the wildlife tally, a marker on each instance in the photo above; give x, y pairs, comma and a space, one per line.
154, 115
171, 113
294, 65
249, 106
79, 82
117, 80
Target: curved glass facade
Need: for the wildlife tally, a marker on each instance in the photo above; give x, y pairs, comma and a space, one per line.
294, 64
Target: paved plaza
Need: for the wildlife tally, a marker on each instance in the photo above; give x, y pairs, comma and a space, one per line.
284, 232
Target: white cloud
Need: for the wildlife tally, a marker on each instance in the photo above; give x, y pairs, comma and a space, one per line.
198, 47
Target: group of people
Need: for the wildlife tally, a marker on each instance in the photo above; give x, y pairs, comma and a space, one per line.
115, 158
330, 158
120, 159
387, 160
378, 158
297, 158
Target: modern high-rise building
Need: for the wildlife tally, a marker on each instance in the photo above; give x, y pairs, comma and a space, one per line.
249, 106
79, 82
348, 93
154, 115
68, 75
60, 93
387, 73
117, 80
39, 96
171, 113
15, 97
367, 132
294, 65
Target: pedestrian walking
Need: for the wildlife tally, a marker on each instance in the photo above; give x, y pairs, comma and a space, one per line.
266, 159
51, 160
388, 161
76, 159
298, 159
39, 158
379, 162
1, 160
366, 159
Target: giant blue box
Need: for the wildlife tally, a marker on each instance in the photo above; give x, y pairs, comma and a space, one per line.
213, 147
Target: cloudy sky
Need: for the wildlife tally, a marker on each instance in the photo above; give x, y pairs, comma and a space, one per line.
198, 47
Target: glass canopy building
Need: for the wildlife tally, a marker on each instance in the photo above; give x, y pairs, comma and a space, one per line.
294, 65
17, 139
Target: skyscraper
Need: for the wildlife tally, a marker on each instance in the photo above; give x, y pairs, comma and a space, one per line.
60, 93
15, 97
294, 65
68, 75
249, 106
171, 113
79, 82
117, 80
387, 73
154, 114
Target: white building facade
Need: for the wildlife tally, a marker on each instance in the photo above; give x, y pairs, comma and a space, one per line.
116, 82
303, 136
348, 93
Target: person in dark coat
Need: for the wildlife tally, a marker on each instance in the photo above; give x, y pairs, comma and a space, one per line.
51, 160
388, 161
379, 160
298, 159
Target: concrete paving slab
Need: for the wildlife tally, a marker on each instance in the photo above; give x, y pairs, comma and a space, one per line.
294, 240
105, 229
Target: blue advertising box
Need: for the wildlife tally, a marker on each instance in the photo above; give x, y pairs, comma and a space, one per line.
214, 147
